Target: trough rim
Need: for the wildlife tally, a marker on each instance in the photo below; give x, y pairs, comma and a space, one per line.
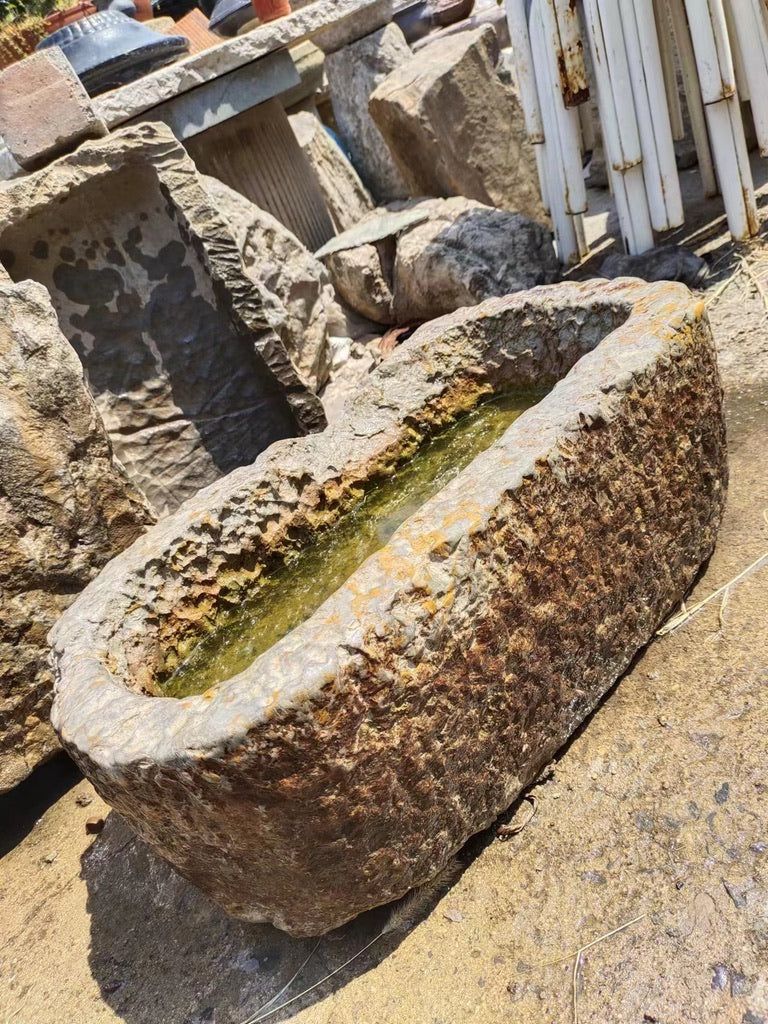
116, 727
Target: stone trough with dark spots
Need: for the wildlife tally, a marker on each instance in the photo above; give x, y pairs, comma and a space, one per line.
349, 762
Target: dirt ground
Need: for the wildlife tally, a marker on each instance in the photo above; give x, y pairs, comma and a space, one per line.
654, 814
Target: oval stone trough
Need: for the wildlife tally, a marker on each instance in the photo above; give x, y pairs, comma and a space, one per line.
353, 758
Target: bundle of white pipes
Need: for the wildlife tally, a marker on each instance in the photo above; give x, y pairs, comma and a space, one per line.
636, 48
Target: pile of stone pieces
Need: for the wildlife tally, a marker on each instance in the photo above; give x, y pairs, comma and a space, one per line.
160, 329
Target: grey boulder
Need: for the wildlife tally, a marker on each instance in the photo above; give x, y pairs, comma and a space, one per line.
432, 256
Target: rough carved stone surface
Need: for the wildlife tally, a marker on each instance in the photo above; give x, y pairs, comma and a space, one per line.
347, 198
353, 74
458, 254
148, 284
66, 507
304, 310
44, 109
353, 758
453, 127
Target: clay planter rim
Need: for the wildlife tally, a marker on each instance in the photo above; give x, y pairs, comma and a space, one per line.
59, 19
271, 10
220, 718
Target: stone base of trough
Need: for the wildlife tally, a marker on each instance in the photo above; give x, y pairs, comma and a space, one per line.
349, 762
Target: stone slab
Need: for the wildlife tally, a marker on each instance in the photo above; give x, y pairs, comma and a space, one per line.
148, 284
44, 109
343, 16
222, 98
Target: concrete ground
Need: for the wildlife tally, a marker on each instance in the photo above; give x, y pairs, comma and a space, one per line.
655, 814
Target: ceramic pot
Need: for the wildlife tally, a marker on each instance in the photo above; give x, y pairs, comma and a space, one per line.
109, 49
58, 19
229, 16
270, 10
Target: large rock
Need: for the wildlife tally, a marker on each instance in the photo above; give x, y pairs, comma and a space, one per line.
304, 310
188, 374
352, 759
398, 267
353, 73
347, 198
66, 507
455, 129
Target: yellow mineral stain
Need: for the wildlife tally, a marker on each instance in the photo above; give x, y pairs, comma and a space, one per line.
283, 598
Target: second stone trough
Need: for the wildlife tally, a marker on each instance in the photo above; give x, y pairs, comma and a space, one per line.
353, 757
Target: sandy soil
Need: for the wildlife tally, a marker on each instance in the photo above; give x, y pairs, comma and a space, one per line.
657, 808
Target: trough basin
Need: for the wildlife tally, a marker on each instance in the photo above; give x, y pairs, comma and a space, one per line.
349, 760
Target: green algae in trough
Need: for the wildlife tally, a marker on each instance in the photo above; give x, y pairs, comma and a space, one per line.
290, 594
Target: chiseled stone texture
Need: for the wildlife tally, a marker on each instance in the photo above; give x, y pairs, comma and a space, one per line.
353, 758
353, 73
347, 198
455, 129
145, 276
66, 507
303, 307
458, 254
44, 109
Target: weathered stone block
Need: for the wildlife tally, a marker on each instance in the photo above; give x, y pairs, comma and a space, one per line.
352, 759
66, 507
433, 256
347, 198
453, 127
304, 310
44, 109
353, 74
147, 281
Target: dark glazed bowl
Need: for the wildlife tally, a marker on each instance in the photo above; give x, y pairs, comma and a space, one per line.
109, 49
228, 16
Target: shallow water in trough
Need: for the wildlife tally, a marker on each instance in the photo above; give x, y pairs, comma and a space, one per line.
289, 595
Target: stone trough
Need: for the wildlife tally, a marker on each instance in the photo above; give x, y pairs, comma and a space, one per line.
349, 761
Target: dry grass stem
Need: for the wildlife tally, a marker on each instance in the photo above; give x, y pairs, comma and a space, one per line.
687, 613
746, 266
513, 828
577, 954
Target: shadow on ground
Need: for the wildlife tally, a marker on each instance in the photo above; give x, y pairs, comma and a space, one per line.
162, 951
26, 803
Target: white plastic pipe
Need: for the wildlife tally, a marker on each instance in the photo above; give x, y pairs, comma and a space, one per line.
711, 48
693, 97
617, 117
565, 234
526, 79
572, 71
726, 130
730, 151
541, 170
739, 70
659, 168
664, 35
566, 120
588, 137
749, 28
614, 80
